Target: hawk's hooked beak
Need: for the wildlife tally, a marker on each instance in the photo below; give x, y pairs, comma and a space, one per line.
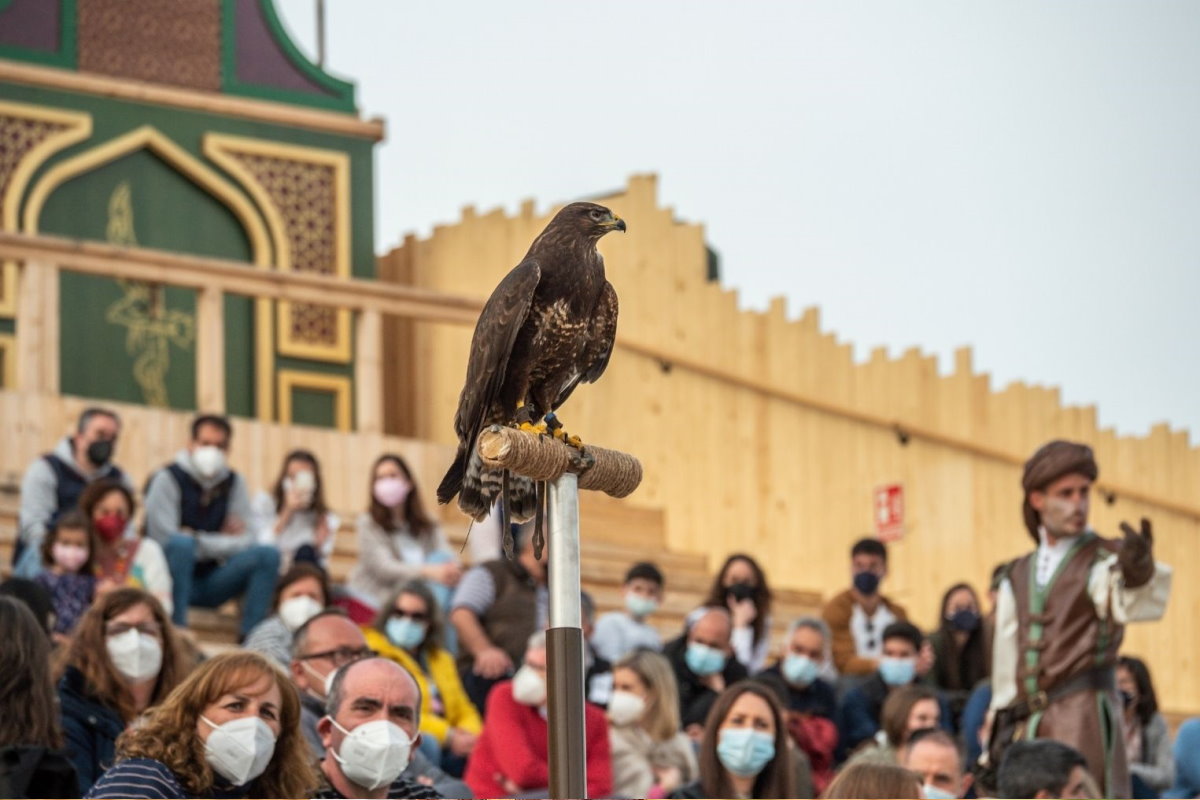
617, 224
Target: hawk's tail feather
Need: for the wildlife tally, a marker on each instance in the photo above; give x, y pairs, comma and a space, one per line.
452, 483
480, 487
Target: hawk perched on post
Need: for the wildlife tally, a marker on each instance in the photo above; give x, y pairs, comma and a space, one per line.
548, 326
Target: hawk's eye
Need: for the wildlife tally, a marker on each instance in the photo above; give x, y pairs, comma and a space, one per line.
596, 215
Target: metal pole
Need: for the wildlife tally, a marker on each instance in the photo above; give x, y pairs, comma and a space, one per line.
321, 33
564, 644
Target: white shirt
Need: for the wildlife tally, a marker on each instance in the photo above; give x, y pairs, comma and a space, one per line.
1049, 556
868, 629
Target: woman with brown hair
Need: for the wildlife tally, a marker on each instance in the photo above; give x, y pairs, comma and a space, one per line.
123, 659
397, 541
741, 586
29, 735
962, 647
874, 781
231, 729
907, 710
123, 557
744, 752
294, 516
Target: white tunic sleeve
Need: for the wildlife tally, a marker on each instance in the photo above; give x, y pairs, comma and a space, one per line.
1146, 603
1004, 648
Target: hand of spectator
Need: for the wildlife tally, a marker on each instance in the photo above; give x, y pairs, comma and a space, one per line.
425, 780
668, 778
510, 787
446, 574
233, 525
743, 612
716, 682
492, 663
460, 742
296, 500
695, 731
925, 659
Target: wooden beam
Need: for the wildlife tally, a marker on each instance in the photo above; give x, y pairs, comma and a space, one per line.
368, 371
210, 351
37, 327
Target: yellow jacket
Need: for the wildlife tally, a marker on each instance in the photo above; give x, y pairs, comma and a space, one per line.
457, 711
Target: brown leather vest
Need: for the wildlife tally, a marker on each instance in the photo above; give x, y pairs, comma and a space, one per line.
1059, 635
512, 618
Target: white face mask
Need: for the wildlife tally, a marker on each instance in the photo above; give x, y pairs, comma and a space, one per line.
625, 708
298, 610
326, 680
136, 655
528, 687
208, 460
373, 754
240, 750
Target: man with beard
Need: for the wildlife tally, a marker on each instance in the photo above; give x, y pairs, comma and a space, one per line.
1061, 616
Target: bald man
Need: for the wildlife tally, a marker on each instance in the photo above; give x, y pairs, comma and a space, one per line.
704, 665
370, 729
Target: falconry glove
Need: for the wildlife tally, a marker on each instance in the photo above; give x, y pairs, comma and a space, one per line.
1135, 557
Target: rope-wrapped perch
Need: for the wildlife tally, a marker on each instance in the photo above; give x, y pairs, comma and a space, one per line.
543, 458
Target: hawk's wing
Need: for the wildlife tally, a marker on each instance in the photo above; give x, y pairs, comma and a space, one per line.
601, 339
495, 333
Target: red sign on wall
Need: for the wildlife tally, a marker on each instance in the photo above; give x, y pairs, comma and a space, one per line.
889, 512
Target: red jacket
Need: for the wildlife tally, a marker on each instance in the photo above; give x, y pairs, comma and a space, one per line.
514, 745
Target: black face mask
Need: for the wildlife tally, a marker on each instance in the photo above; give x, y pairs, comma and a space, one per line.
1126, 699
740, 591
100, 452
964, 620
867, 583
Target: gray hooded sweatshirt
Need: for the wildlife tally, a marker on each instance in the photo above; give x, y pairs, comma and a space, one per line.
39, 491
164, 505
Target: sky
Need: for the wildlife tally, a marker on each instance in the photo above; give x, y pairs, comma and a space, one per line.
1022, 177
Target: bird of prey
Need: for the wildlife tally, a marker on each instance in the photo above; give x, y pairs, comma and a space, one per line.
548, 326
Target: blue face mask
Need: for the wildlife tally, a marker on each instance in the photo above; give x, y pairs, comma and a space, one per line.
800, 670
897, 671
640, 605
931, 792
704, 660
405, 633
745, 751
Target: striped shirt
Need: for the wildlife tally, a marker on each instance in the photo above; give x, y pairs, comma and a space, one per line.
147, 779
476, 592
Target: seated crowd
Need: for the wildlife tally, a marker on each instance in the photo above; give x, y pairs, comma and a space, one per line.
419, 679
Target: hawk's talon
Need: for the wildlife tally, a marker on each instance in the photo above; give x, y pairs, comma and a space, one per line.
567, 439
528, 427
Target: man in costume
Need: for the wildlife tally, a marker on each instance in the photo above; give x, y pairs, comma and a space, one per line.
1061, 616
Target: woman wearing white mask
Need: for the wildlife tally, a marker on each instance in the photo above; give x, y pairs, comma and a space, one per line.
231, 729
651, 756
744, 751
294, 517
300, 595
408, 630
122, 660
398, 541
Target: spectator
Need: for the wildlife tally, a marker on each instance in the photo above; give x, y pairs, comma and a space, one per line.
703, 668
123, 659
651, 756
35, 597
1042, 768
498, 605
31, 762
741, 586
300, 594
53, 483
811, 705
862, 705
858, 616
961, 647
744, 751
619, 633
199, 511
597, 675
511, 756
397, 541
373, 714
934, 755
408, 631
231, 729
327, 641
123, 556
1147, 740
1187, 761
908, 709
67, 552
293, 518
874, 782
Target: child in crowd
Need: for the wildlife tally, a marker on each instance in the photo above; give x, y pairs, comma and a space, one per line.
619, 633
67, 557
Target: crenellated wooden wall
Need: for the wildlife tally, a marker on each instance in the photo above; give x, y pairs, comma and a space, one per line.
760, 433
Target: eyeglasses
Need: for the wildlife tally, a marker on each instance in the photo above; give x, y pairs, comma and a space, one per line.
341, 656
148, 628
419, 616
